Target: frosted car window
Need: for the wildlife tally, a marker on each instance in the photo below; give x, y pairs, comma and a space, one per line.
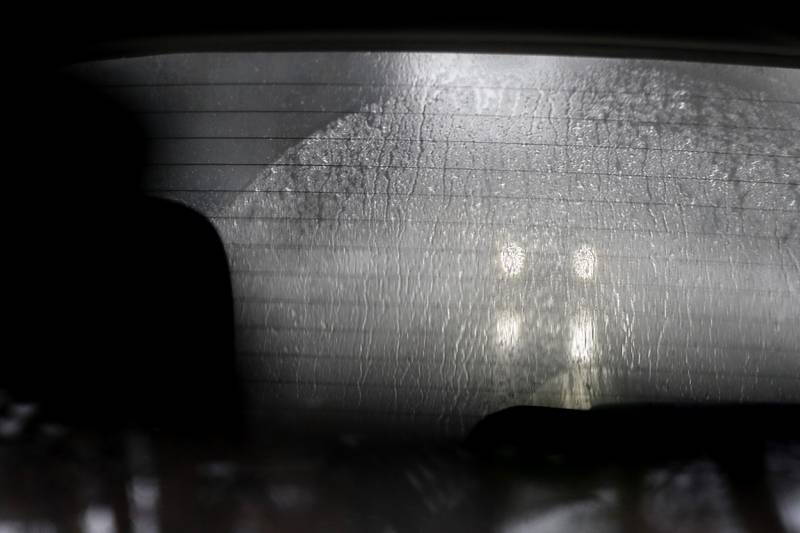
421, 239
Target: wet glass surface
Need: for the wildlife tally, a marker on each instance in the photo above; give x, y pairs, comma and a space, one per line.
417, 240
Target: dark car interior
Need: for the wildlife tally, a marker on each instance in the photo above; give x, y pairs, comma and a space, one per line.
125, 404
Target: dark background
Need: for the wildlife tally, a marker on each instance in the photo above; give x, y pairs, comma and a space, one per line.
743, 34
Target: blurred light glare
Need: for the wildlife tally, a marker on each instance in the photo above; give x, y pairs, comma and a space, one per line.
790, 510
11, 527
583, 262
143, 495
99, 519
512, 259
508, 327
144, 492
581, 347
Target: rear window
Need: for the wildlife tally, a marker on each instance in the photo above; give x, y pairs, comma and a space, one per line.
421, 239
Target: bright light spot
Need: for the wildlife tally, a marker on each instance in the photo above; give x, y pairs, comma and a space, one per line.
508, 326
583, 262
581, 344
512, 258
99, 519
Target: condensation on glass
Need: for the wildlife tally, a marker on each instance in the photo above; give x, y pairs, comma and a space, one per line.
422, 239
